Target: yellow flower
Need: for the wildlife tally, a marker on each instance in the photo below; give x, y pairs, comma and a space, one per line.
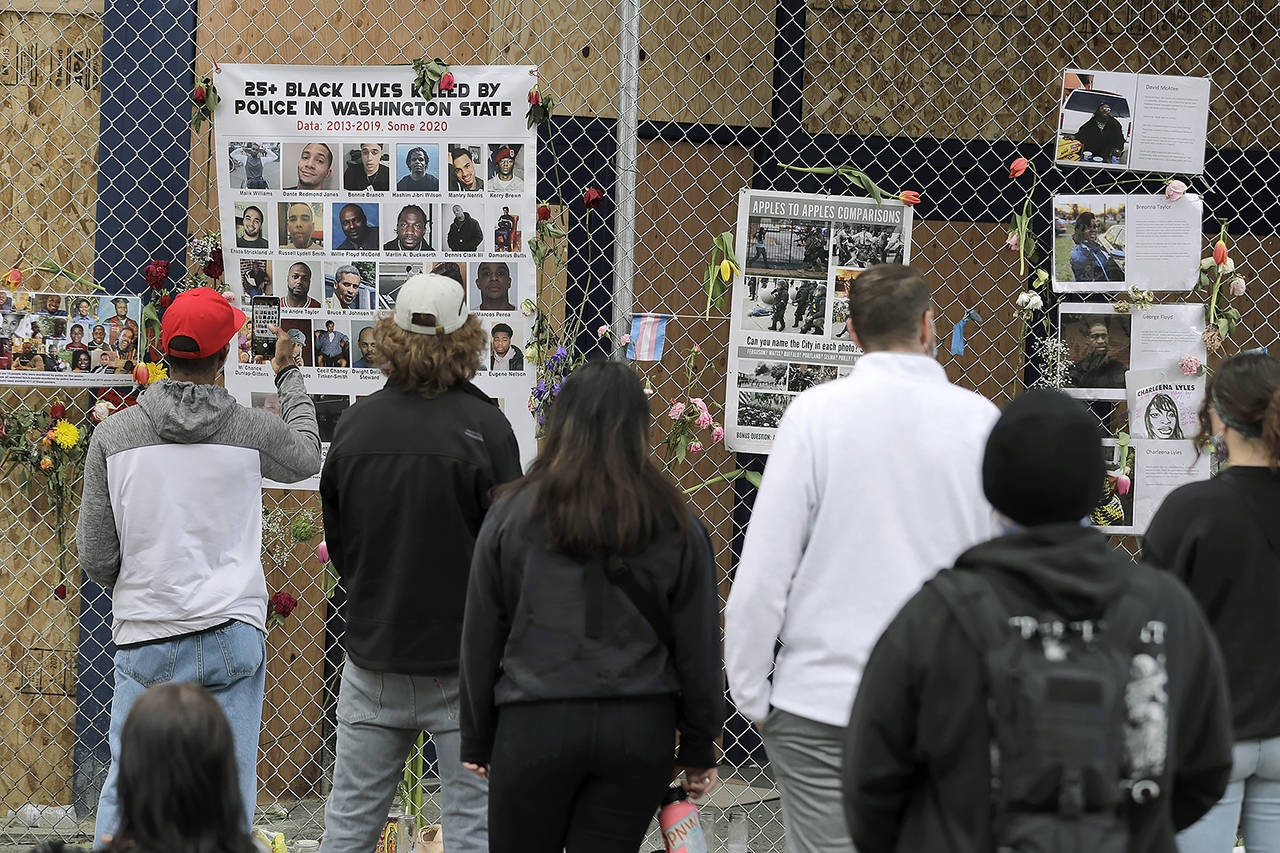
156, 372
46, 463
66, 434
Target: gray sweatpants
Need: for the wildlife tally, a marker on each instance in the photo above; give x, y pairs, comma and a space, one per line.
379, 717
806, 756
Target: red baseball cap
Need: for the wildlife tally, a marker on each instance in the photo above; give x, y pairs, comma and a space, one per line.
204, 315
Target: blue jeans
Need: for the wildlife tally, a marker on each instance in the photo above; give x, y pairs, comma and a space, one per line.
1252, 796
230, 663
379, 717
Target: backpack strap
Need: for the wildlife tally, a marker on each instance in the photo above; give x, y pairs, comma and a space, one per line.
619, 573
972, 600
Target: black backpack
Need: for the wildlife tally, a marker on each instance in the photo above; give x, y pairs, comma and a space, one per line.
1069, 752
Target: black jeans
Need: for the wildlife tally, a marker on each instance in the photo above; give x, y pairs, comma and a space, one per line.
579, 775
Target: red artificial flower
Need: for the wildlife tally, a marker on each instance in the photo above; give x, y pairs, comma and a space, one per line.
156, 272
910, 197
13, 277
446, 81
592, 198
57, 411
534, 97
544, 211
213, 268
199, 94
1018, 166
1220, 253
164, 301
60, 590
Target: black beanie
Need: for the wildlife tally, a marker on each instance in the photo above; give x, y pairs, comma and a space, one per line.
1043, 462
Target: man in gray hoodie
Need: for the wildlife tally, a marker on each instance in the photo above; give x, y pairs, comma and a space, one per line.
171, 522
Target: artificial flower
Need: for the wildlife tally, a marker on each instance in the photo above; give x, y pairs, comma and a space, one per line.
155, 372
910, 197
1238, 286
1018, 166
544, 212
446, 81
1220, 253
677, 409
1189, 365
592, 198
1175, 190
66, 434
1011, 242
717, 432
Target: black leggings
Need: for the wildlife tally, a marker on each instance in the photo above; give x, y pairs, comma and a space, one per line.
579, 775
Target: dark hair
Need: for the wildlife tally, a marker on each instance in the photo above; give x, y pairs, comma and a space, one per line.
455, 153
82, 355
502, 328
252, 207
450, 269
1165, 403
191, 366
886, 304
1245, 391
596, 485
178, 780
1083, 221
409, 207
417, 148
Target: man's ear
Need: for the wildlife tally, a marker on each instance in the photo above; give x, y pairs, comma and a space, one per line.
926, 329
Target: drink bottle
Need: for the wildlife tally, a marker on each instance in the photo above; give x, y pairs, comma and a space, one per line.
681, 829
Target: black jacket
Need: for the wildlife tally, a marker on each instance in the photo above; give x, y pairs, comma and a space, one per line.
404, 491
1101, 141
541, 625
916, 763
1211, 534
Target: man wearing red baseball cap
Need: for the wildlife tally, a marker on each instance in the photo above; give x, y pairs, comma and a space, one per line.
171, 522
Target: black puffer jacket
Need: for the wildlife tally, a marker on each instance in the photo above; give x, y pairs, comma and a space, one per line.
541, 625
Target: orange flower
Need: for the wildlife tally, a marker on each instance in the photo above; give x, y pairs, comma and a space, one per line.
1018, 166
1220, 253
910, 197
13, 278
46, 463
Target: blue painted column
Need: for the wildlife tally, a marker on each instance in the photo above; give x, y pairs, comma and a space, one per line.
148, 57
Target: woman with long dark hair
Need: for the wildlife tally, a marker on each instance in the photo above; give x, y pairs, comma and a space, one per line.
1222, 538
178, 788
592, 634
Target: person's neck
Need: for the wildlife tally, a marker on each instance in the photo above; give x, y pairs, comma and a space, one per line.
296, 302
1245, 452
497, 305
195, 378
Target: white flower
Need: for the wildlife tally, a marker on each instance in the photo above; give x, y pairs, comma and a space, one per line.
1228, 268
1029, 301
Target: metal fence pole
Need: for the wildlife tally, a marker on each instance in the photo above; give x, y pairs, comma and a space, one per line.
624, 216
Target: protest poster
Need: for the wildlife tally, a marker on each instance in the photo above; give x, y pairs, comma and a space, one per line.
337, 184
787, 328
1154, 468
1103, 343
1142, 122
1163, 404
1109, 243
84, 340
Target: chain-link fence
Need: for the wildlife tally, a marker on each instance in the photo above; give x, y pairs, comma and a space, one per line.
668, 108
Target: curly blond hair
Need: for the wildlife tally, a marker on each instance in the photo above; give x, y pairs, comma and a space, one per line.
429, 364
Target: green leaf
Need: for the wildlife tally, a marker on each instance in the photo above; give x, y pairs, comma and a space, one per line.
755, 478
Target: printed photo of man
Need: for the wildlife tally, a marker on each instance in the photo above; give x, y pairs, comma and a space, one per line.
411, 231
315, 165
298, 288
493, 280
463, 177
253, 158
249, 234
365, 169
121, 321
333, 348
505, 179
368, 349
298, 226
502, 354
355, 225
417, 162
350, 292
465, 232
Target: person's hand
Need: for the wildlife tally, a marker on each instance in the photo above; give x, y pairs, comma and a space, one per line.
481, 770
697, 781
284, 349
